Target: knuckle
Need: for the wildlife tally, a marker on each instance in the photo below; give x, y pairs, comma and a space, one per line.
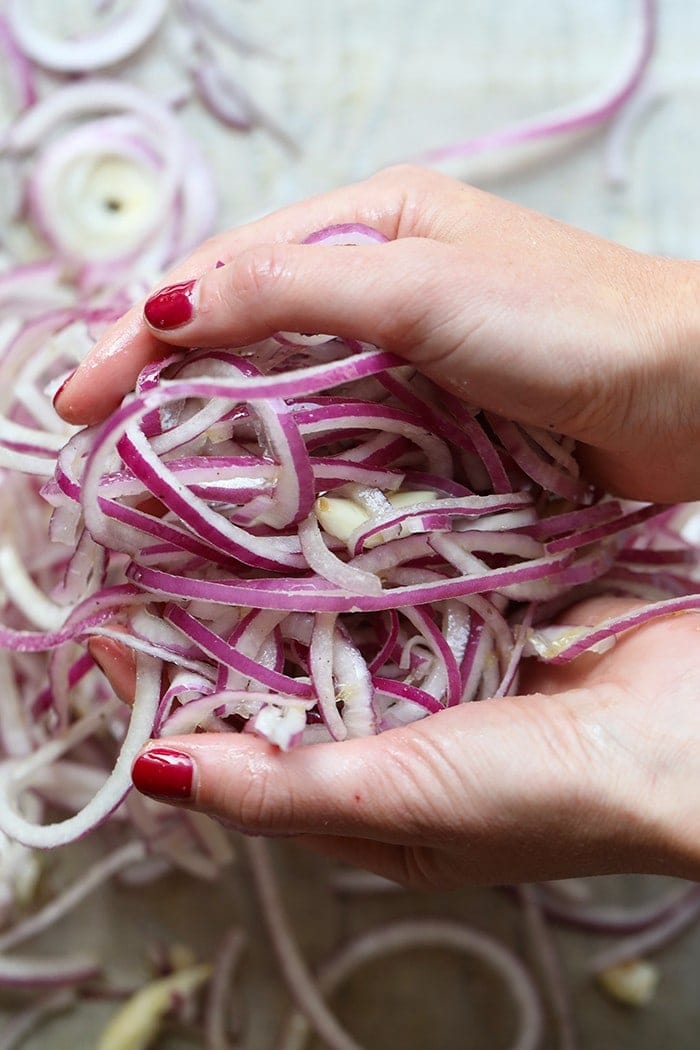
255, 805
257, 274
261, 270
410, 193
418, 775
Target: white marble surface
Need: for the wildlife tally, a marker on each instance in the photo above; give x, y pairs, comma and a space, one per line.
361, 84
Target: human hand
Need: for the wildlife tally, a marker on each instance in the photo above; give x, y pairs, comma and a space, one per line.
509, 309
595, 772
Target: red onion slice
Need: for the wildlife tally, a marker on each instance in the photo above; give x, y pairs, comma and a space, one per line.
578, 117
119, 39
428, 933
113, 791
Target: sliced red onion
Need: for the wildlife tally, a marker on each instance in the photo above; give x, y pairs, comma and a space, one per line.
97, 191
576, 118
328, 566
218, 1012
314, 595
346, 233
426, 933
321, 666
39, 972
224, 653
636, 946
617, 918
101, 192
562, 645
110, 795
119, 39
17, 69
31, 1017
94, 877
550, 967
617, 147
296, 974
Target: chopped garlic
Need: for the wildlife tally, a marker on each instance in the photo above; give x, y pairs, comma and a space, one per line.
137, 1024
406, 497
633, 983
340, 516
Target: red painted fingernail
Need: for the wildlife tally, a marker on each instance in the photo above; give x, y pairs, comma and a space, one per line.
171, 307
164, 774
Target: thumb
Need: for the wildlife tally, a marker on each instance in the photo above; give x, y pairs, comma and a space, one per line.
496, 776
390, 293
465, 316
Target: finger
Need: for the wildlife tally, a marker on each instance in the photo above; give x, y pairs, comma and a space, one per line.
109, 371
378, 803
451, 312
502, 779
391, 294
390, 201
118, 664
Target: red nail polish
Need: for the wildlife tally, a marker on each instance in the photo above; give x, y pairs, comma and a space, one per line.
171, 307
164, 774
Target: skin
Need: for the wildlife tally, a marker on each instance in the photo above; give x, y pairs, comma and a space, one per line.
593, 768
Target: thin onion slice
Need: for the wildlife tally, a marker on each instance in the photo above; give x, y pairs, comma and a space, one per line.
119, 39
429, 933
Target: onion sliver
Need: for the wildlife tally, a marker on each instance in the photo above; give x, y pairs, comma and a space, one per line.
113, 791
430, 933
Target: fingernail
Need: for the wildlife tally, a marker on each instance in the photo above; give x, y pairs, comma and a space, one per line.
164, 774
61, 388
170, 307
118, 664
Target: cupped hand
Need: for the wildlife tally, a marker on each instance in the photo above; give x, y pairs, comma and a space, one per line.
511, 310
594, 769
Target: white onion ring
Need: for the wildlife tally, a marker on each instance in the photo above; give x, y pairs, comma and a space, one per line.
429, 933
82, 98
91, 51
112, 791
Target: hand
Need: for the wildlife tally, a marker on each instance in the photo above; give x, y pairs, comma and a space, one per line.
513, 311
598, 771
